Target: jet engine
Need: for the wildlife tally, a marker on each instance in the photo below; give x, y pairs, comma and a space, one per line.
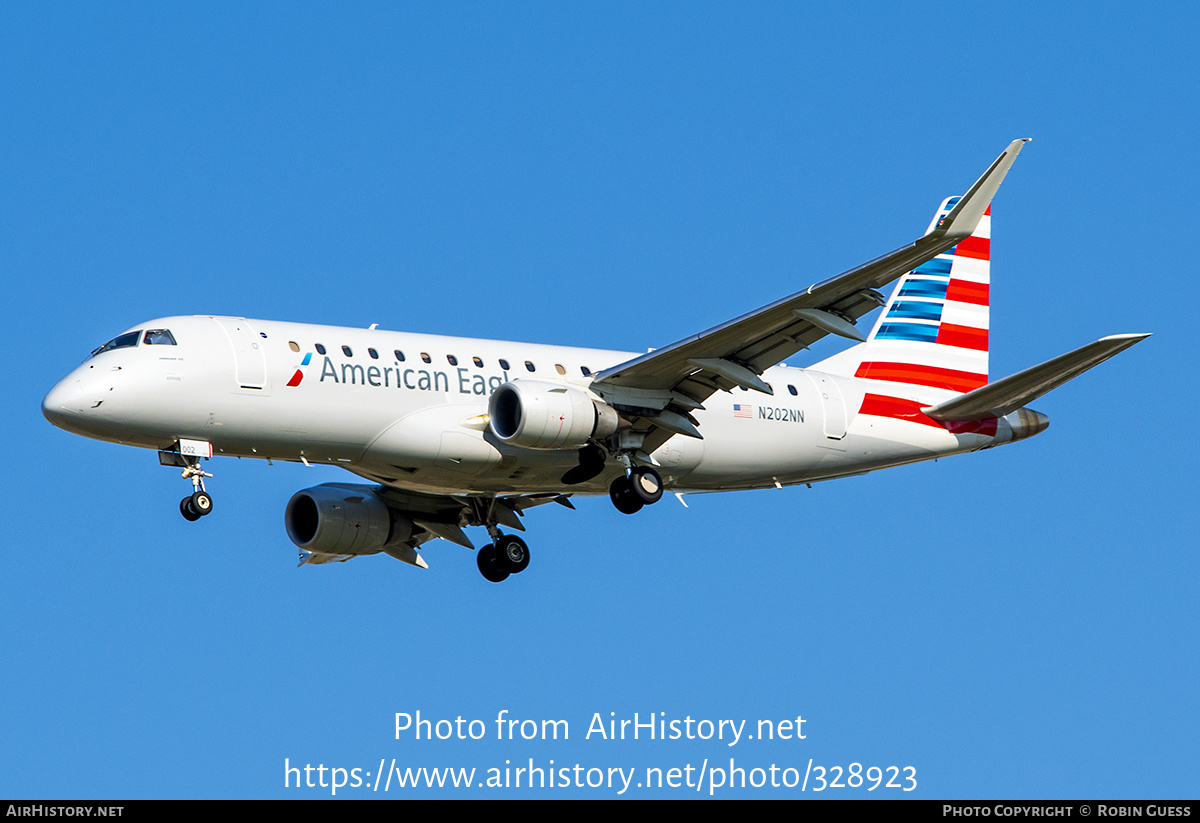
538, 415
343, 520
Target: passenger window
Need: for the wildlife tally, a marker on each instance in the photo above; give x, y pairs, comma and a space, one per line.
503, 364
159, 337
425, 357
374, 354
320, 349
792, 389
452, 360
346, 351
529, 366
558, 368
293, 346
478, 362
399, 355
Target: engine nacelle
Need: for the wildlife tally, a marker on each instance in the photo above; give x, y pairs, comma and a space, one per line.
343, 519
538, 415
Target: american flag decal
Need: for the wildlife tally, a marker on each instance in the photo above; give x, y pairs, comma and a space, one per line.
743, 410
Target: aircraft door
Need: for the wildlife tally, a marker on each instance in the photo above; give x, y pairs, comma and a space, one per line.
249, 358
833, 403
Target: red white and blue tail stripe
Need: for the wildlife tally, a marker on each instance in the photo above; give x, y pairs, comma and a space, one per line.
934, 329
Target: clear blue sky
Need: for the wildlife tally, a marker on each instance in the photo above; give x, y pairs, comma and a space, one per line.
1016, 623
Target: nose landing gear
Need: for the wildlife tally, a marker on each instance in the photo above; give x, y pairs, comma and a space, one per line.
187, 454
195, 506
199, 502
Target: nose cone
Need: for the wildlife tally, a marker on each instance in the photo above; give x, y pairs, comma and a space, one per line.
68, 402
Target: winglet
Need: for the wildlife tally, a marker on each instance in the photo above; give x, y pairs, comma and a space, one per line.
965, 216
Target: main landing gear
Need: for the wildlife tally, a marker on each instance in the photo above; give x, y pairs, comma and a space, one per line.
507, 555
640, 486
199, 502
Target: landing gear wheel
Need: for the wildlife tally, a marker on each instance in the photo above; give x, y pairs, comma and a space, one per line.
202, 504
489, 562
624, 497
646, 484
513, 553
185, 508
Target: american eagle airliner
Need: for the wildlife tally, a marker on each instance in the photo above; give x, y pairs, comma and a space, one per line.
454, 432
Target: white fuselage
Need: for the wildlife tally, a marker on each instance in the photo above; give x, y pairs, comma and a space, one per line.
408, 410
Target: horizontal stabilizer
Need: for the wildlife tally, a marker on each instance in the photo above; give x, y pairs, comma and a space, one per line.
1014, 392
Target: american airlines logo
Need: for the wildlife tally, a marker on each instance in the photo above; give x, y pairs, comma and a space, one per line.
393, 377
299, 375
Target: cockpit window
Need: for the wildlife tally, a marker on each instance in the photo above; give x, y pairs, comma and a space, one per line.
125, 341
159, 337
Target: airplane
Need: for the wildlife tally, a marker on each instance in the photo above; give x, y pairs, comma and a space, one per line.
455, 432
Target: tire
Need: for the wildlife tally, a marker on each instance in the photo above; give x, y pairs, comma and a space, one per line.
646, 484
623, 496
512, 553
185, 508
489, 567
202, 503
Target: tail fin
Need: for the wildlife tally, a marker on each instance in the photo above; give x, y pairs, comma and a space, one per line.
934, 329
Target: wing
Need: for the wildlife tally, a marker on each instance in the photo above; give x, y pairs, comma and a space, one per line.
664, 386
438, 515
444, 515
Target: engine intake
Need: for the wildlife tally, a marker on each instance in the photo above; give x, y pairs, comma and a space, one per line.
343, 519
538, 415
